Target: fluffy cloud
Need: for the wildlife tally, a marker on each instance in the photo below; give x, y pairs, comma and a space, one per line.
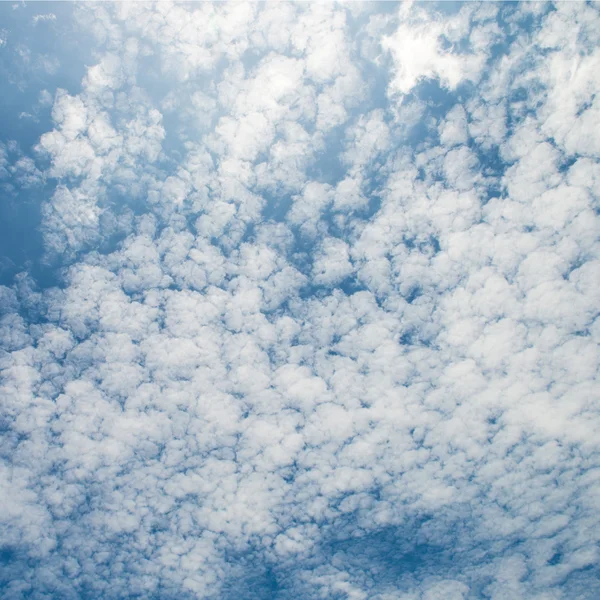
426, 46
326, 326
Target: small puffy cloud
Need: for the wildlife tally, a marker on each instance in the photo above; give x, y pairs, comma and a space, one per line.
70, 114
453, 130
422, 48
370, 137
332, 263
107, 74
308, 207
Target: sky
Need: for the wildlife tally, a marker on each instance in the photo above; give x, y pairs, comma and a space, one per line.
299, 301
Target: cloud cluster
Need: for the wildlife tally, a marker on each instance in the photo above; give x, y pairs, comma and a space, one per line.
328, 324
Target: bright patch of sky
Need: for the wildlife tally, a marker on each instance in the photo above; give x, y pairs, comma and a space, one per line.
299, 300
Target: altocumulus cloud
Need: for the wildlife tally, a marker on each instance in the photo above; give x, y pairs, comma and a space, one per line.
300, 301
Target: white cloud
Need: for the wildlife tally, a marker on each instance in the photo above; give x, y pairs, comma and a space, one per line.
418, 50
453, 131
203, 405
332, 263
43, 17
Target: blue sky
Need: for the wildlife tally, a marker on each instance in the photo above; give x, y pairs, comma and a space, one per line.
299, 300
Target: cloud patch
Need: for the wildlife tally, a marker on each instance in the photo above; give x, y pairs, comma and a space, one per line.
323, 325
